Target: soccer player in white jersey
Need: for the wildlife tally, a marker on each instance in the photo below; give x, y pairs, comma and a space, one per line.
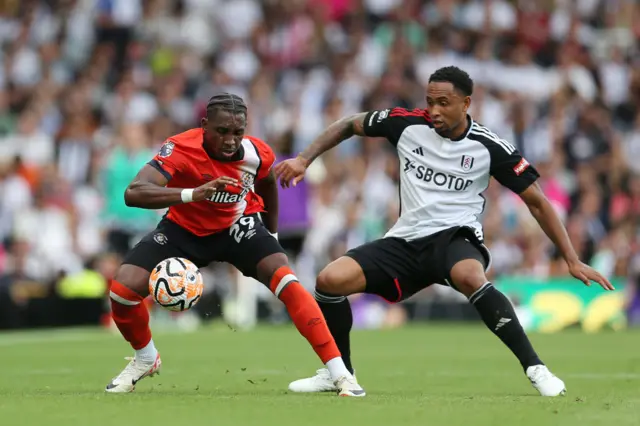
447, 160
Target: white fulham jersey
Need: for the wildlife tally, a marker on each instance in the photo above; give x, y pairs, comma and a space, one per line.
442, 180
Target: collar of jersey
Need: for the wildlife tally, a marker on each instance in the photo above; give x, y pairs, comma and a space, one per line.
466, 132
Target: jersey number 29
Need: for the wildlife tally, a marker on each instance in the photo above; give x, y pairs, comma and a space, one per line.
243, 228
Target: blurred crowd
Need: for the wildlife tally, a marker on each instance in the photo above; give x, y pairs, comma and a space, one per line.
89, 89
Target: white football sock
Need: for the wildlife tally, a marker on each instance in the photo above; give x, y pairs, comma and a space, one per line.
337, 368
148, 353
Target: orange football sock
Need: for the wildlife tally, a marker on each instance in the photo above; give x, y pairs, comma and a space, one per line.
305, 313
130, 315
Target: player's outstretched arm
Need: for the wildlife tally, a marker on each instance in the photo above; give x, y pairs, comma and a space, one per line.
337, 132
545, 214
148, 190
267, 188
290, 172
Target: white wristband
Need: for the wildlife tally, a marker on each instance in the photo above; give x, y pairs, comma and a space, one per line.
274, 235
187, 195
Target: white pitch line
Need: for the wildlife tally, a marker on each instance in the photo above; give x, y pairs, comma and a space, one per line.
62, 335
80, 335
296, 373
474, 374
26, 339
603, 376
41, 372
580, 375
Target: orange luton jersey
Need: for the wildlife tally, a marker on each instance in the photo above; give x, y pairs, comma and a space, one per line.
183, 160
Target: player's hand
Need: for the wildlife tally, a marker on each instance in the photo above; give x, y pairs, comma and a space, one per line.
586, 274
206, 191
291, 171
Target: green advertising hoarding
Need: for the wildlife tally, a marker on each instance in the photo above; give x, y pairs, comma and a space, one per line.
554, 304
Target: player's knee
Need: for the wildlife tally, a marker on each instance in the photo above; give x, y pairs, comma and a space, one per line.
331, 281
468, 276
327, 281
468, 283
343, 277
134, 278
268, 266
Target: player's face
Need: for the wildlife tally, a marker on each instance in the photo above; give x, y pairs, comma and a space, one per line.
447, 107
223, 133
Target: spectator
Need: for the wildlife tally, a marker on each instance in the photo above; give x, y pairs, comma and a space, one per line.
90, 89
128, 156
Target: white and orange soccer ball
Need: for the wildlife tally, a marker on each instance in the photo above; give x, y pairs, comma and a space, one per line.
176, 284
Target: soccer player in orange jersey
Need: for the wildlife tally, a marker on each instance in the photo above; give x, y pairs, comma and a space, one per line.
222, 197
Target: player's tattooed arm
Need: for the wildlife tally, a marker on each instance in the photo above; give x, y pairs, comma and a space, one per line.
337, 132
550, 222
148, 190
267, 188
291, 171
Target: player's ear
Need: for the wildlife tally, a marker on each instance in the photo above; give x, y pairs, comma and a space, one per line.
467, 103
204, 123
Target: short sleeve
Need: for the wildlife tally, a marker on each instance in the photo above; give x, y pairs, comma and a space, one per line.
168, 160
512, 170
508, 166
267, 159
391, 123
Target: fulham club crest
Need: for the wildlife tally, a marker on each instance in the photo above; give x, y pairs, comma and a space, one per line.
466, 163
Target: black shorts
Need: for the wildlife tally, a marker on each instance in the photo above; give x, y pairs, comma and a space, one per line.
243, 245
396, 269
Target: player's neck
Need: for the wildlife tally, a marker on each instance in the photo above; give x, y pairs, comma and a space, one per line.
460, 131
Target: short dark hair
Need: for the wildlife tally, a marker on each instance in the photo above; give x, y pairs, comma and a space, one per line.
226, 102
454, 75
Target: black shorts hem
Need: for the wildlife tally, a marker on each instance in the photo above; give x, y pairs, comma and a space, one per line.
382, 279
459, 249
367, 265
396, 269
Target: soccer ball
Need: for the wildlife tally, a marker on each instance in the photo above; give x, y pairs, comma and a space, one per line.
176, 284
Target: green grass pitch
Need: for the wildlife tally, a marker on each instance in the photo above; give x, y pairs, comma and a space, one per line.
430, 374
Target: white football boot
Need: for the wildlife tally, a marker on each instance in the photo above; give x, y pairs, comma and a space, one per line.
321, 382
545, 382
134, 372
348, 386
